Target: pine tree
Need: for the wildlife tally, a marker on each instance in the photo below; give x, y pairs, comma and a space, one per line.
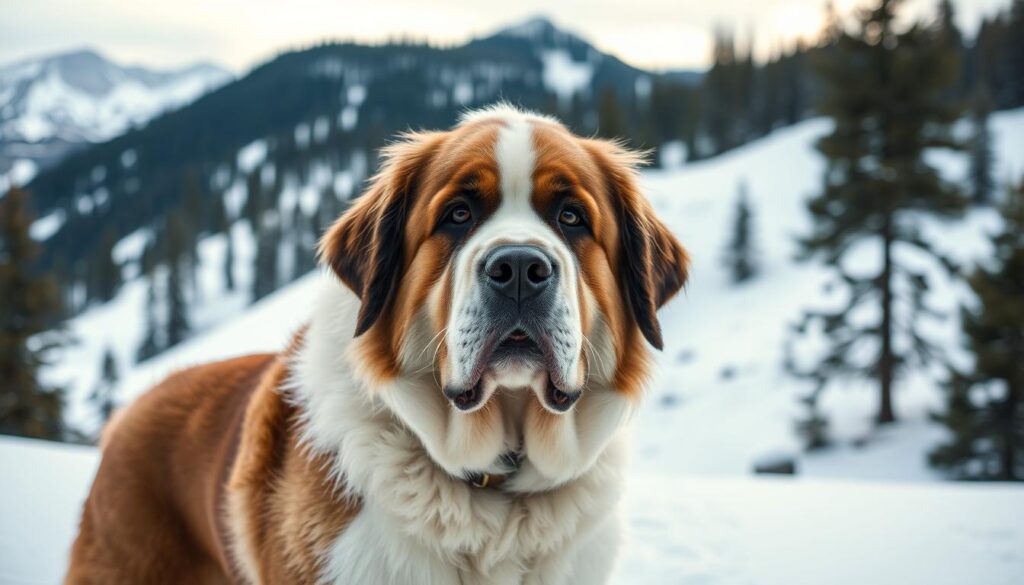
740, 252
813, 429
150, 345
105, 272
149, 257
103, 395
985, 404
611, 120
719, 92
266, 272
223, 225
29, 302
177, 268
254, 199
951, 41
980, 149
229, 261
884, 92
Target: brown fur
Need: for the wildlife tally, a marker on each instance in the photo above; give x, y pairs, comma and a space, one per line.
206, 452
150, 515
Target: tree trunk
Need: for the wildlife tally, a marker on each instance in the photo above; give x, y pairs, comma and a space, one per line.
1009, 454
886, 362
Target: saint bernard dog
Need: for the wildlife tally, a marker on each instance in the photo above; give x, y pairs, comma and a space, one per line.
455, 410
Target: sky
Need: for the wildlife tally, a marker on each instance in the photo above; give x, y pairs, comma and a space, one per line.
238, 34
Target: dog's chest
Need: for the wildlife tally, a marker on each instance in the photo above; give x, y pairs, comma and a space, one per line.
377, 549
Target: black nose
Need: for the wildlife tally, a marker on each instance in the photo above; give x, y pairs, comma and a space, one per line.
518, 272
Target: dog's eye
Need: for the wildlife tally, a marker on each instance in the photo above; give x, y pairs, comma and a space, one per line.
460, 214
570, 217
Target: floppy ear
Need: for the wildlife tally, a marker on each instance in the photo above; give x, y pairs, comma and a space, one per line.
364, 247
653, 264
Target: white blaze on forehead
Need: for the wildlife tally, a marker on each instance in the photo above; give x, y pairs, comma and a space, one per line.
515, 156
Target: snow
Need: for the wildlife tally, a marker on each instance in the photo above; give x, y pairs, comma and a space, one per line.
46, 226
682, 529
41, 494
563, 76
348, 117
673, 155
40, 102
795, 532
462, 92
252, 155
356, 94
302, 135
531, 29
130, 247
21, 172
128, 158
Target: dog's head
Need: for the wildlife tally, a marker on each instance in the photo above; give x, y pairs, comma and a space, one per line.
506, 255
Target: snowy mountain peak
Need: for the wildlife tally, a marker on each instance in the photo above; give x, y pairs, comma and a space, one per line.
532, 28
54, 102
540, 31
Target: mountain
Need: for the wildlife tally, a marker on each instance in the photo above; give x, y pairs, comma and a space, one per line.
52, 104
330, 107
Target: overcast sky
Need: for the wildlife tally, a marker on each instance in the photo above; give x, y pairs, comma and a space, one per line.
240, 33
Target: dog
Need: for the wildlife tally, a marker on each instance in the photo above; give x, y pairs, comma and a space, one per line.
455, 410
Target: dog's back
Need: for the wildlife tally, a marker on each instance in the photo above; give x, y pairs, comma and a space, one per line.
153, 511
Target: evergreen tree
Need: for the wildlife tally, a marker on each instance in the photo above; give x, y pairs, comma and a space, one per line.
985, 404
29, 303
720, 92
105, 272
219, 220
1015, 54
177, 268
883, 90
149, 257
266, 273
611, 120
813, 428
740, 253
980, 146
254, 199
150, 345
103, 395
951, 41
223, 225
229, 261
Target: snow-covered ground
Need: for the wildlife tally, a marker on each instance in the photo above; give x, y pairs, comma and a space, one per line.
686, 530
721, 400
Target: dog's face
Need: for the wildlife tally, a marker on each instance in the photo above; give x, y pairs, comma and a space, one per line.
506, 257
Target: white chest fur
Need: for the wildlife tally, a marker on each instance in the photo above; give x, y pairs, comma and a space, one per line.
421, 525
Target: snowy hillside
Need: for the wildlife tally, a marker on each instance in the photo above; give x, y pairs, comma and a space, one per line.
721, 401
50, 103
682, 529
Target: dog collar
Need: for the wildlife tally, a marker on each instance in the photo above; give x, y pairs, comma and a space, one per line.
483, 480
478, 479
